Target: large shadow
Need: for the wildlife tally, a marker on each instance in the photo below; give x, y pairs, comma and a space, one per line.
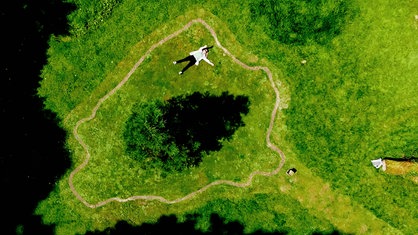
32, 155
171, 225
204, 119
174, 135
403, 159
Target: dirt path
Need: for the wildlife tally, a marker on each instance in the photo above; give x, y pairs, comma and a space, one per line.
218, 182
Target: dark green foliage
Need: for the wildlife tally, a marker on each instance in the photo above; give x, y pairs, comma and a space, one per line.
173, 135
143, 133
302, 21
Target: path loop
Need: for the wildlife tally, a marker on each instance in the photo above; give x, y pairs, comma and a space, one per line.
218, 182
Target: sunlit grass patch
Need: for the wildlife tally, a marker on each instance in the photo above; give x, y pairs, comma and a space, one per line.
408, 169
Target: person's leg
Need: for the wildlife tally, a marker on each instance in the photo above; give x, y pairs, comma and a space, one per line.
192, 62
188, 58
188, 66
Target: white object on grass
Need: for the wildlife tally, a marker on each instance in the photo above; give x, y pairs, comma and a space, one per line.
377, 163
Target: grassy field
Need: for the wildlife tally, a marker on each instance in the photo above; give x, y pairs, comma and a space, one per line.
353, 101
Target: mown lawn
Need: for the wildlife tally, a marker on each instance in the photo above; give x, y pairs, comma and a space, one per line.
353, 101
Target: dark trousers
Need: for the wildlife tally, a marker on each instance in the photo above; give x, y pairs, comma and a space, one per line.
191, 60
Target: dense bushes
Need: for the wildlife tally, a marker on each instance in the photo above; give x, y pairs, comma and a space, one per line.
302, 21
173, 135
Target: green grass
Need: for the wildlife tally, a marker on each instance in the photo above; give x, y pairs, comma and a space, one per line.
355, 100
157, 78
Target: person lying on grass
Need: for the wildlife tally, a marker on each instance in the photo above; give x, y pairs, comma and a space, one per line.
195, 57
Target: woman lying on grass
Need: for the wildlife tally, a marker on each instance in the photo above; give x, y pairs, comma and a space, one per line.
195, 57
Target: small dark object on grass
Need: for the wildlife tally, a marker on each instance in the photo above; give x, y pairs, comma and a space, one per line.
291, 171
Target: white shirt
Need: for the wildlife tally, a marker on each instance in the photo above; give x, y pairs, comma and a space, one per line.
199, 55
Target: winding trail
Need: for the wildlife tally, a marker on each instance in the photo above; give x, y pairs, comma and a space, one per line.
218, 182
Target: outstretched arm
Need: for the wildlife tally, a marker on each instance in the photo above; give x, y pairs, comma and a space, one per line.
208, 61
200, 49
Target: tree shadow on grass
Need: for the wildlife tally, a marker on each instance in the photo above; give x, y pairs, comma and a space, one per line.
170, 225
33, 157
204, 119
174, 134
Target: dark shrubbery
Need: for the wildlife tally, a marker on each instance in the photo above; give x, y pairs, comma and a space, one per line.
173, 135
302, 21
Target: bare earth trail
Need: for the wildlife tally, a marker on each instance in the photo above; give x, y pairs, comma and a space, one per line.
218, 182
